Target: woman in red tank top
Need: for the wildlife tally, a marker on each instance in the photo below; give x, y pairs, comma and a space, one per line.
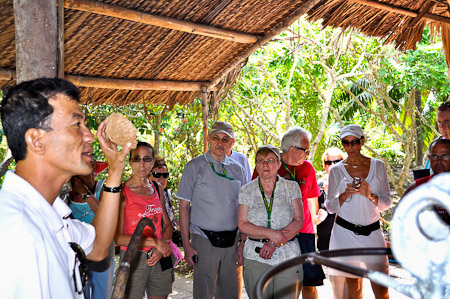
140, 199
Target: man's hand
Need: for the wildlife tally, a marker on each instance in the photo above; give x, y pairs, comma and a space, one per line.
189, 252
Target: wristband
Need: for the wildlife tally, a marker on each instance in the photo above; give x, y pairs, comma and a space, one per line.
112, 189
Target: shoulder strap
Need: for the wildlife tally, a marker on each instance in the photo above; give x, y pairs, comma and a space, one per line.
156, 187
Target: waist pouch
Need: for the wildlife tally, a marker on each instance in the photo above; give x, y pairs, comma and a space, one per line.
363, 230
223, 239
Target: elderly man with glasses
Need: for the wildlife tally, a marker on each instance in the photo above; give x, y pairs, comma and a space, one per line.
208, 193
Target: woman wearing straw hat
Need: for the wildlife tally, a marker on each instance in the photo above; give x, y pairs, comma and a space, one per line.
358, 190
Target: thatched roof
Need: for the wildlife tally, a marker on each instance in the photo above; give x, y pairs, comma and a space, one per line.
116, 51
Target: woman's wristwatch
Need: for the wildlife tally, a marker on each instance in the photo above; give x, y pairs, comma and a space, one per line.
86, 195
374, 197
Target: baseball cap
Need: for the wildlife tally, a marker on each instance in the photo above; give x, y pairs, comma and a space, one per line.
222, 127
352, 130
274, 150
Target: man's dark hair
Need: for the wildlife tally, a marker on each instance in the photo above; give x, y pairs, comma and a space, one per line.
142, 143
444, 106
26, 106
437, 141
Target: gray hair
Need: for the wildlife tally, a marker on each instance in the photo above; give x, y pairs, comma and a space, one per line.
292, 138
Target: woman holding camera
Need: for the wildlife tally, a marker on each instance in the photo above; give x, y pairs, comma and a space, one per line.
151, 270
358, 190
271, 214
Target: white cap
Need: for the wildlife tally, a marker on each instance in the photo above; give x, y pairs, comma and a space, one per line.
352, 130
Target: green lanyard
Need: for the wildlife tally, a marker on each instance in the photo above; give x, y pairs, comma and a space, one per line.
290, 173
268, 207
224, 174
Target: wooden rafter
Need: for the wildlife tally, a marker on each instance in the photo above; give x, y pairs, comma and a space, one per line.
401, 10
421, 14
160, 21
82, 81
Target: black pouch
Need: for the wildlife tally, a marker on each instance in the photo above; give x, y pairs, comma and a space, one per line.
223, 239
166, 263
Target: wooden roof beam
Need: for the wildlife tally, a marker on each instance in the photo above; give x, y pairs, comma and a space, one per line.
401, 10
82, 81
160, 21
136, 84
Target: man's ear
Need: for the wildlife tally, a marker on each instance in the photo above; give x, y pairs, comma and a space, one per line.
35, 141
232, 142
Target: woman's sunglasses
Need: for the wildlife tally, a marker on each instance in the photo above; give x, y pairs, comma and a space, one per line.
328, 162
353, 142
159, 174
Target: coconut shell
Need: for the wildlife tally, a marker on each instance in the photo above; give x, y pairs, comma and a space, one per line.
120, 130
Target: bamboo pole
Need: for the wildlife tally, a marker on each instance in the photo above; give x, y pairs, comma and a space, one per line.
263, 40
205, 118
401, 10
136, 84
160, 21
81, 81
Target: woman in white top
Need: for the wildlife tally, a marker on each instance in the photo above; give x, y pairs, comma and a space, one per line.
358, 190
270, 214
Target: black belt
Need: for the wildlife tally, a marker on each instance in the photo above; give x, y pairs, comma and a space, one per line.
364, 230
267, 240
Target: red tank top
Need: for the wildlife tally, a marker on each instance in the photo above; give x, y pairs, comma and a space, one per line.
137, 207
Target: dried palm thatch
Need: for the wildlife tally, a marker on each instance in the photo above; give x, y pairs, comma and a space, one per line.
166, 51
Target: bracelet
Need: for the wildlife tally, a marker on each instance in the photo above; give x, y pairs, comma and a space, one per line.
112, 189
375, 197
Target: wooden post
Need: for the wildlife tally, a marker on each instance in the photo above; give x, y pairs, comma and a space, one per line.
36, 39
60, 38
205, 118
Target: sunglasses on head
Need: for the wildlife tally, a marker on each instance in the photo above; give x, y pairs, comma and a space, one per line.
353, 142
328, 162
159, 174
145, 159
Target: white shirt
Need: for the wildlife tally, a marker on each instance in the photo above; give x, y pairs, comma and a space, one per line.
36, 259
282, 215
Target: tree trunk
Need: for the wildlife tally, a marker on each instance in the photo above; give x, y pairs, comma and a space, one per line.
36, 39
157, 135
6, 162
419, 129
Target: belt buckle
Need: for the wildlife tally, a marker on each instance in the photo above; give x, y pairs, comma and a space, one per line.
357, 227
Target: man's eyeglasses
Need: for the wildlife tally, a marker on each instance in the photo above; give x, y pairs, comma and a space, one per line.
216, 138
328, 162
160, 174
82, 268
352, 143
145, 159
443, 157
306, 150
268, 161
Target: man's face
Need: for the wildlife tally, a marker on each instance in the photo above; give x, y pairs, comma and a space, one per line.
68, 147
300, 153
219, 145
443, 120
437, 162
